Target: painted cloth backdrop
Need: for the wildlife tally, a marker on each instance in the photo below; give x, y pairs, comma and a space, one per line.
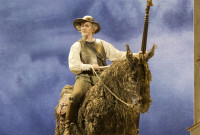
35, 39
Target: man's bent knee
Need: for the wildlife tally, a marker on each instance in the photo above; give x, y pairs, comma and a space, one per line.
76, 99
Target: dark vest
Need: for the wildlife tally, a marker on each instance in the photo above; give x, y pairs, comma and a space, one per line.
88, 56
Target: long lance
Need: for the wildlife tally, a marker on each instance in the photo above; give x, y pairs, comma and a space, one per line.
144, 38
145, 30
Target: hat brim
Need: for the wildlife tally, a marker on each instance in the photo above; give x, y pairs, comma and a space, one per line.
78, 21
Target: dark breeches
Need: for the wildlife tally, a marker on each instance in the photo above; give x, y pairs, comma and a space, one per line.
81, 86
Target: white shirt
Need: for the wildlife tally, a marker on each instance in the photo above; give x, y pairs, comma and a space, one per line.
75, 64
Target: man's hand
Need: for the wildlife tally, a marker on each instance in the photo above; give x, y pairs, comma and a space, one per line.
140, 52
95, 67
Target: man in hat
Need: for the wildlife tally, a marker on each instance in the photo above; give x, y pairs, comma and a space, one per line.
86, 54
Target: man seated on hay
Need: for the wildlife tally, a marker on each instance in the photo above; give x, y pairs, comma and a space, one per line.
85, 55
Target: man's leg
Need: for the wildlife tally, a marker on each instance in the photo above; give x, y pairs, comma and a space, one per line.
81, 86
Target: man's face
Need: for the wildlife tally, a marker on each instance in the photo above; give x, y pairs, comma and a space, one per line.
86, 29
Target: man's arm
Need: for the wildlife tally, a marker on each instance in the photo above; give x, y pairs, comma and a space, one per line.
112, 53
75, 64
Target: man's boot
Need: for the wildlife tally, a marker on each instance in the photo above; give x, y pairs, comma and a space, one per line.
70, 113
67, 128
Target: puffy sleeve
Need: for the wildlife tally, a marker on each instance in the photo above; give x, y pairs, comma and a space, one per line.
75, 64
112, 53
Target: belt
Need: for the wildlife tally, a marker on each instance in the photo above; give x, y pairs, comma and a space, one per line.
91, 72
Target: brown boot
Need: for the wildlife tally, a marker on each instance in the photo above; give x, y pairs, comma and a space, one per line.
70, 113
67, 128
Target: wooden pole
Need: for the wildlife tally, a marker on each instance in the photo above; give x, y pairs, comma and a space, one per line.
195, 129
145, 29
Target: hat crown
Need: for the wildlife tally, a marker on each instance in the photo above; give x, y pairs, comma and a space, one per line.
88, 18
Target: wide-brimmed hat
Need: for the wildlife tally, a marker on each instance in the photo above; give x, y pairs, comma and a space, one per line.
78, 21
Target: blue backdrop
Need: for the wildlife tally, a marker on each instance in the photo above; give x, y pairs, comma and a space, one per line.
35, 38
